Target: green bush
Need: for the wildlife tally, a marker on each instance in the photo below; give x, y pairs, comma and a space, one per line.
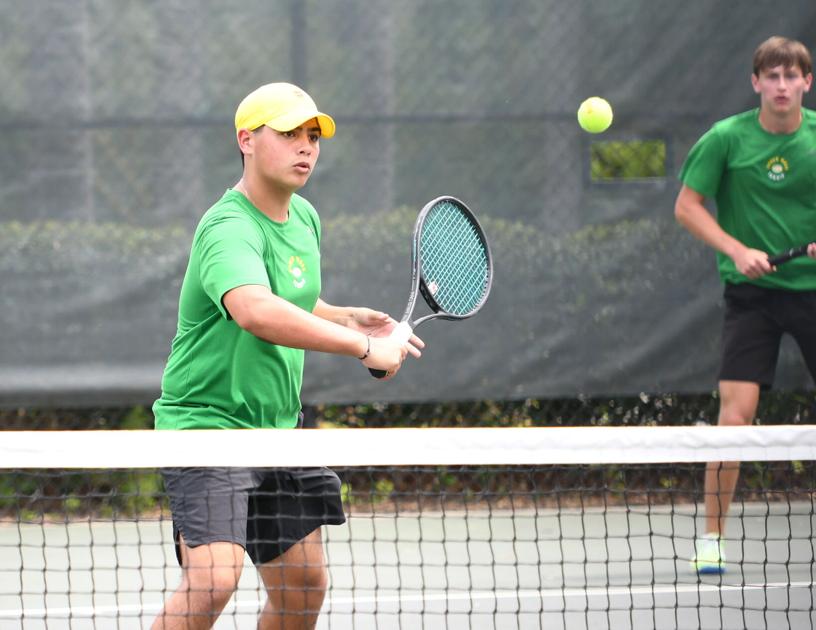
633, 159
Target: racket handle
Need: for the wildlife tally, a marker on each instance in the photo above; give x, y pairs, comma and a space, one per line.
788, 255
401, 333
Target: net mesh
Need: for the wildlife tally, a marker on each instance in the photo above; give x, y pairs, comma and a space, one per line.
458, 528
455, 265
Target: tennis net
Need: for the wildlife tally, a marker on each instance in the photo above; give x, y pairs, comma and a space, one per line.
446, 528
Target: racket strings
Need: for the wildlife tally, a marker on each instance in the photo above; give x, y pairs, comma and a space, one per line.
464, 297
454, 260
460, 263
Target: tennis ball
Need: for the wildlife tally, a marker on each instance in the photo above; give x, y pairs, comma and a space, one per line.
595, 115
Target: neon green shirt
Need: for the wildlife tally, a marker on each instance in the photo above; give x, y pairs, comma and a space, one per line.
219, 376
764, 185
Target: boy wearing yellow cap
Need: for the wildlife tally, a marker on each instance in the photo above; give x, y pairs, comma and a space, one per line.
249, 307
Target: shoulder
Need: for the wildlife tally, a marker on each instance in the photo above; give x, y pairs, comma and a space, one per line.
228, 208
227, 217
809, 118
736, 125
302, 206
727, 134
304, 211
743, 119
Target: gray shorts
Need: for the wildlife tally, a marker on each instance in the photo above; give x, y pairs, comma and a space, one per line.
266, 511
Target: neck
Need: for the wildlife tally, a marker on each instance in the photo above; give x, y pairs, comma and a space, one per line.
782, 123
274, 203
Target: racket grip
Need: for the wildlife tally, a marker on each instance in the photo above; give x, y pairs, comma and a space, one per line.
401, 333
788, 255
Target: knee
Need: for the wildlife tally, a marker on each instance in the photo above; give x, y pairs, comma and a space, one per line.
310, 579
734, 419
315, 579
738, 403
735, 416
736, 413
218, 583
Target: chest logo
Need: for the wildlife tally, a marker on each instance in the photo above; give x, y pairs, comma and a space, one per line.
777, 167
298, 270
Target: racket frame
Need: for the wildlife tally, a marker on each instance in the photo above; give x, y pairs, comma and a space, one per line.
405, 328
419, 285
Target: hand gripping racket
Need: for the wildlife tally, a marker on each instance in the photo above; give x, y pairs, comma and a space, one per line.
788, 255
451, 266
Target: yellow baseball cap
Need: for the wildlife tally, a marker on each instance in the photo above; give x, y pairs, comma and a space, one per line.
283, 107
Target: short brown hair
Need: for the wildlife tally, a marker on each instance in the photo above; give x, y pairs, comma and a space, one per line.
781, 51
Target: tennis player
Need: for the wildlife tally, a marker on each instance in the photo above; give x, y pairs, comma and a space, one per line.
760, 168
249, 307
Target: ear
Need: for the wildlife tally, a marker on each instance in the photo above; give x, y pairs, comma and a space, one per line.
808, 81
245, 141
755, 82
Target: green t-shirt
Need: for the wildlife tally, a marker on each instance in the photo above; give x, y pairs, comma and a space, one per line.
218, 375
764, 185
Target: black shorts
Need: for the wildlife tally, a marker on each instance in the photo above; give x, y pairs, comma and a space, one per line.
266, 511
755, 320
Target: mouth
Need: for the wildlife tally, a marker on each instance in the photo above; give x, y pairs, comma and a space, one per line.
303, 167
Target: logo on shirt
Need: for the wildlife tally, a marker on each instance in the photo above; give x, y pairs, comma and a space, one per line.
297, 268
777, 167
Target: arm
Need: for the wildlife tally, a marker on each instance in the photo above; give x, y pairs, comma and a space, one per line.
262, 313
365, 320
693, 215
348, 316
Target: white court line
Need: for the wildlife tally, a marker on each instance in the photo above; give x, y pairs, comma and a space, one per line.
245, 606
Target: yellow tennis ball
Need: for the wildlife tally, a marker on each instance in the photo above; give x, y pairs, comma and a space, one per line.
595, 115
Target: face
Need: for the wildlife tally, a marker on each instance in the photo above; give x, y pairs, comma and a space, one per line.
781, 89
285, 159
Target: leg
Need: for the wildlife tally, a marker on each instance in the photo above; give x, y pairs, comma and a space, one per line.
210, 576
802, 311
296, 583
750, 347
738, 405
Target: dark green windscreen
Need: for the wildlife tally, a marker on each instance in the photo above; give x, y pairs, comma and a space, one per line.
119, 134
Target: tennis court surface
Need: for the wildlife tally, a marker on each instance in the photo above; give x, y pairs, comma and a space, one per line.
448, 528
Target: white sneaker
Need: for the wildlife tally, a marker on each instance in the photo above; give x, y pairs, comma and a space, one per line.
710, 555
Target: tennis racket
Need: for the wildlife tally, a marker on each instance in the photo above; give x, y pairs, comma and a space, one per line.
784, 257
451, 266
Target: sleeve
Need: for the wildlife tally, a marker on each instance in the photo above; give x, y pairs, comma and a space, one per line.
316, 226
231, 255
706, 162
311, 218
